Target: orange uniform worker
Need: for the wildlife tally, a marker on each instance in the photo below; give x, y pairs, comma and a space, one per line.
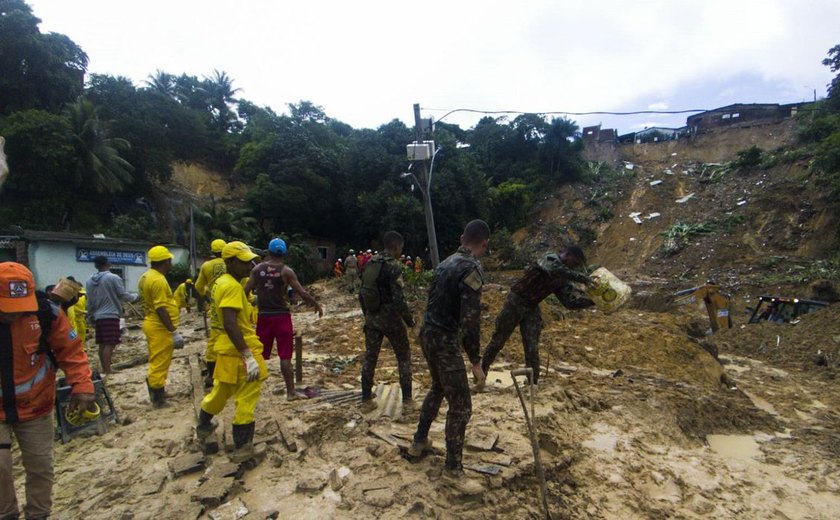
161, 322
240, 369
27, 386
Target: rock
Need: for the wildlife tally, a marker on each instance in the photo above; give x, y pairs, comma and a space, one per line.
223, 469
276, 461
186, 464
310, 485
272, 514
233, 510
379, 498
336, 482
108, 443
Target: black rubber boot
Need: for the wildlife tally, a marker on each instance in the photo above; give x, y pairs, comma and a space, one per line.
206, 425
243, 442
208, 379
156, 396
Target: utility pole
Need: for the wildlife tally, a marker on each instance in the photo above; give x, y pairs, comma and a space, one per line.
424, 183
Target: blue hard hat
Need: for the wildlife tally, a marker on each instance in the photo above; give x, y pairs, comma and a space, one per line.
277, 246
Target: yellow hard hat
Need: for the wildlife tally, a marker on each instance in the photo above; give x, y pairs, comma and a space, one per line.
188, 281
77, 417
159, 254
238, 249
217, 245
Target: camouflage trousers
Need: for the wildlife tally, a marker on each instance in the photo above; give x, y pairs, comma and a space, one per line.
449, 381
530, 323
386, 325
351, 279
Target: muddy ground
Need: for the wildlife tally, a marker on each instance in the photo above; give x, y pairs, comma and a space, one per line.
635, 420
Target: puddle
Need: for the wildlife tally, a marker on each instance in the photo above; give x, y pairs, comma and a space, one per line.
740, 447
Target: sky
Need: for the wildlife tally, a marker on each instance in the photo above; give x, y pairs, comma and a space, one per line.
368, 62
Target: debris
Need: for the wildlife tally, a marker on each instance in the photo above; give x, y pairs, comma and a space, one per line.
487, 469
629, 166
482, 439
223, 469
637, 220
380, 498
186, 464
742, 202
656, 182
497, 459
668, 171
653, 215
336, 482
288, 440
310, 485
233, 510
213, 491
683, 200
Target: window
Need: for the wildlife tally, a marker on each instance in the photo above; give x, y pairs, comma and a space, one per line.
322, 252
725, 116
736, 114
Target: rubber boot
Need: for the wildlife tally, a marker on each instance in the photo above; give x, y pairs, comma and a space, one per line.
206, 425
156, 396
208, 379
243, 442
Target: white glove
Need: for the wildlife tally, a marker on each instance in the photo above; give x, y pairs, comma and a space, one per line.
251, 367
177, 340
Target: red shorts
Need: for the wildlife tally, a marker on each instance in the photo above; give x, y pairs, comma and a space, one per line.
108, 331
276, 327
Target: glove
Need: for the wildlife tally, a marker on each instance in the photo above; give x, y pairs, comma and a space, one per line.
177, 340
251, 367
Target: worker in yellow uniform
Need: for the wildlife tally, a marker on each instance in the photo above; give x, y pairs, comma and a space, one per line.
184, 294
161, 321
80, 315
240, 368
207, 275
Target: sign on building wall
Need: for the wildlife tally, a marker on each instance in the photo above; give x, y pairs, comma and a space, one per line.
84, 254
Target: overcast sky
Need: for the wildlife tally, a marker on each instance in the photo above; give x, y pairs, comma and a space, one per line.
367, 62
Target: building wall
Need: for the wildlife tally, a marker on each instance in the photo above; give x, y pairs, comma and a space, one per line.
51, 261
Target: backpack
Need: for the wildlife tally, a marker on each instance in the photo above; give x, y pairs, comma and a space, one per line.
47, 314
371, 293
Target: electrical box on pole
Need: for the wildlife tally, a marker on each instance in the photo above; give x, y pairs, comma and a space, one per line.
420, 151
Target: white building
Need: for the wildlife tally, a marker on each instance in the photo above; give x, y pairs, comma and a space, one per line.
52, 255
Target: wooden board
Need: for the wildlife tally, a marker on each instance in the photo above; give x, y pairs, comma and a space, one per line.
211, 443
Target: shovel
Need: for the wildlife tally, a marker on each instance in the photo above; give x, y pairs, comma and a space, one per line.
529, 373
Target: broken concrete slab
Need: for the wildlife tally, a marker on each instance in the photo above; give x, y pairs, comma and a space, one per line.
486, 469
186, 464
481, 439
233, 510
213, 491
271, 514
223, 469
497, 459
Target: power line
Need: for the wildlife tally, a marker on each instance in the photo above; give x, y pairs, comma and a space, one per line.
564, 112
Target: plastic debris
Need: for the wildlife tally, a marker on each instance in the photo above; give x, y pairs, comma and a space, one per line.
742, 202
683, 200
654, 215
656, 182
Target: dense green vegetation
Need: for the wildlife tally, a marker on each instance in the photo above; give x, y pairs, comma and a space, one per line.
95, 150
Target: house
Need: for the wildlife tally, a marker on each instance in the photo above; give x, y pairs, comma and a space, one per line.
324, 253
742, 114
597, 134
657, 134
55, 255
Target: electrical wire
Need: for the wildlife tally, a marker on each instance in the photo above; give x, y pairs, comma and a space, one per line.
564, 112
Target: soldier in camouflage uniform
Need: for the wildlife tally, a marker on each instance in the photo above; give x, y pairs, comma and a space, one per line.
552, 274
386, 315
453, 316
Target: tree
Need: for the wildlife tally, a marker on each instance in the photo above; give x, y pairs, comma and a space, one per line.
220, 92
42, 71
217, 221
98, 164
162, 82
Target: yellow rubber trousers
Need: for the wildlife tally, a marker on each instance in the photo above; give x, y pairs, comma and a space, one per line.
246, 394
161, 348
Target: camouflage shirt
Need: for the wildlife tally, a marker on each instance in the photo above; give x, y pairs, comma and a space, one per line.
548, 276
455, 300
390, 284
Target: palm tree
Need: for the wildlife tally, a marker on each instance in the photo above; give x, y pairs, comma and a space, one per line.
162, 82
98, 164
219, 222
220, 92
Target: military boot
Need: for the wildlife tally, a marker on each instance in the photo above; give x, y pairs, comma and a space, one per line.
243, 442
206, 425
208, 379
417, 448
456, 480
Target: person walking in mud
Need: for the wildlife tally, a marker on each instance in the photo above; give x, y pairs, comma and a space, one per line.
386, 315
207, 274
551, 274
452, 319
351, 271
270, 280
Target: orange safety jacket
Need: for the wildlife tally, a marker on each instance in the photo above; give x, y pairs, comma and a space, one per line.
27, 373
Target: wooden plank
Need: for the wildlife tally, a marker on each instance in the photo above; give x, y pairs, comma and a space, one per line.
211, 443
298, 358
481, 439
285, 437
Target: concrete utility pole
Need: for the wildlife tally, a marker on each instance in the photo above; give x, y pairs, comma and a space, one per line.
424, 183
